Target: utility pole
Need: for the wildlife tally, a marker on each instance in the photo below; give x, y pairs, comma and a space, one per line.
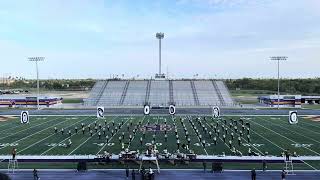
36, 60
160, 36
278, 58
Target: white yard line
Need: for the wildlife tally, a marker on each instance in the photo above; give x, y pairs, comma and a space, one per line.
312, 131
221, 140
110, 138
281, 148
28, 128
309, 165
242, 138
6, 123
283, 136
305, 122
59, 143
310, 124
136, 133
36, 132
197, 137
290, 130
91, 137
50, 136
19, 125
267, 140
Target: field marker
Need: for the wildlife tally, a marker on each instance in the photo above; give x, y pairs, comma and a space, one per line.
50, 135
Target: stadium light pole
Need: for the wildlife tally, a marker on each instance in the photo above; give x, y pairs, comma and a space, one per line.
159, 36
36, 60
278, 58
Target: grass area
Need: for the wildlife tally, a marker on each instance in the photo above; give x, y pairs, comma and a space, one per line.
247, 96
268, 135
72, 100
311, 106
247, 101
251, 92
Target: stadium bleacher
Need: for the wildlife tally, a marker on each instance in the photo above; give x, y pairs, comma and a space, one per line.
112, 93
207, 94
159, 93
136, 93
182, 93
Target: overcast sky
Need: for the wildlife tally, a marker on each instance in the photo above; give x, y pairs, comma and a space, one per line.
212, 38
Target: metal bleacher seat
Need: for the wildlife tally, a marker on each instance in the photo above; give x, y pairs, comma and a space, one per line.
207, 94
225, 93
92, 99
159, 93
182, 93
112, 93
136, 93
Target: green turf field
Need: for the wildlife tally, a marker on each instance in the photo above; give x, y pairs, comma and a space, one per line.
268, 135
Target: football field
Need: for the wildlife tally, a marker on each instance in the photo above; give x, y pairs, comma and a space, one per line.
203, 135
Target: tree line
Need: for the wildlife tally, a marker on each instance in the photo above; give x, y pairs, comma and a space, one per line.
52, 84
290, 86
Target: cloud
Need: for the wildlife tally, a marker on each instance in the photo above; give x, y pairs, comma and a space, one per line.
239, 35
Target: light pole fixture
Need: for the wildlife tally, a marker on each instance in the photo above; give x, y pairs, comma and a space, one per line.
278, 58
36, 60
159, 36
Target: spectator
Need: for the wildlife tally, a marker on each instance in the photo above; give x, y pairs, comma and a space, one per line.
142, 171
35, 174
133, 175
150, 174
204, 166
14, 153
127, 172
212, 167
264, 165
283, 174
287, 154
253, 174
